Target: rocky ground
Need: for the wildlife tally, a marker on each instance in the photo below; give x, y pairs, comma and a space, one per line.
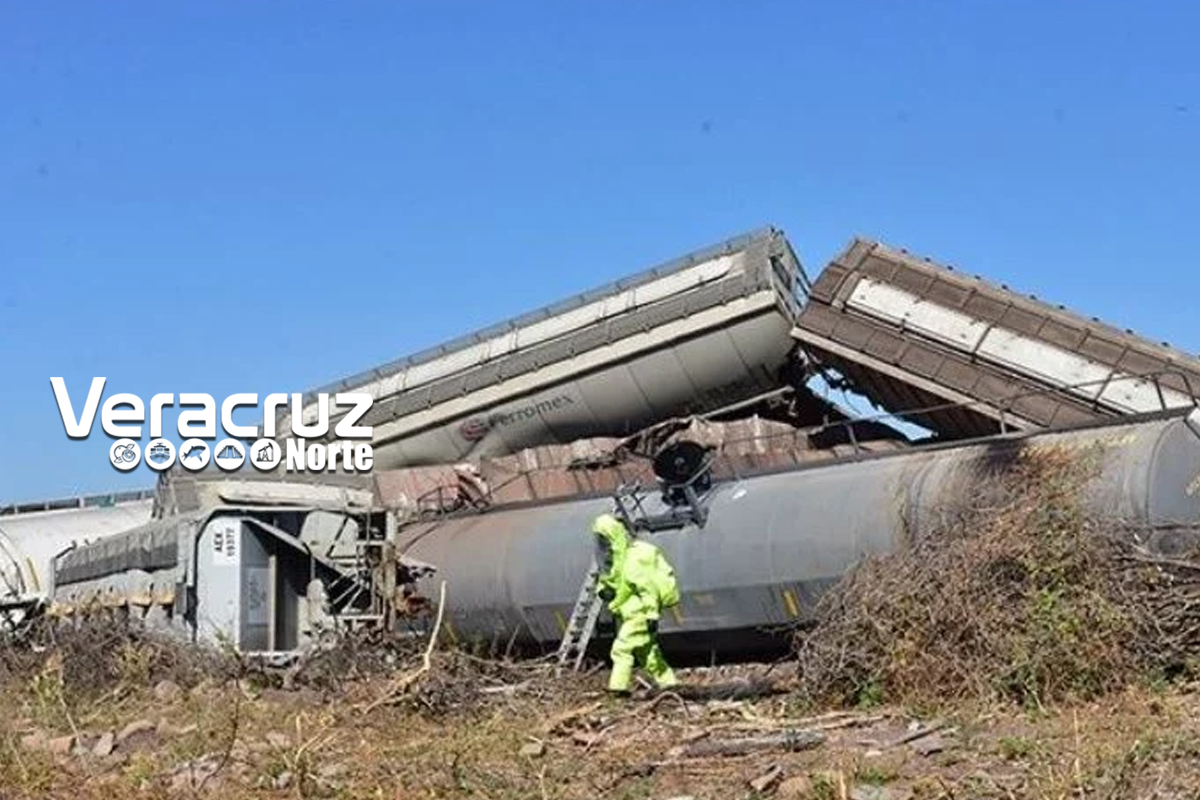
513, 731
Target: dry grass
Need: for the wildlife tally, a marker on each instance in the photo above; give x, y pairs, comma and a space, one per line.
1045, 656
104, 655
460, 734
270, 743
1015, 595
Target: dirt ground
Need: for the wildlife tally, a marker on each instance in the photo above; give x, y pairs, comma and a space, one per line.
523, 734
1017, 649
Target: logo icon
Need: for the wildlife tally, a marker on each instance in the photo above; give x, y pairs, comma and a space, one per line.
124, 454
265, 454
193, 454
474, 429
229, 454
160, 455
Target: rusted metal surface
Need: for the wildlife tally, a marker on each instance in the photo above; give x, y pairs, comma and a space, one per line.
594, 467
816, 430
421, 490
913, 334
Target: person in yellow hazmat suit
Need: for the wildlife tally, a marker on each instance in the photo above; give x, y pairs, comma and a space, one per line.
637, 582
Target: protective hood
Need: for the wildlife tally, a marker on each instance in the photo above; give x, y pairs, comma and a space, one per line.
612, 530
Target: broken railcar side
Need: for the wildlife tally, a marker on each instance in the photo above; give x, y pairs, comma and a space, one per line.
979, 358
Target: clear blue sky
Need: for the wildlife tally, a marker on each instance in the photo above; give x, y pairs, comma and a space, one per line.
254, 196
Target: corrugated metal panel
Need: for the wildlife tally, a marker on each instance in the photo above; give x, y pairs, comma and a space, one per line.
106, 500
151, 547
912, 334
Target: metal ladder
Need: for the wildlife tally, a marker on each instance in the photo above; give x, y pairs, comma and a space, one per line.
582, 623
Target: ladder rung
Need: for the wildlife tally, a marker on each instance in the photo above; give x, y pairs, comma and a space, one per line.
583, 620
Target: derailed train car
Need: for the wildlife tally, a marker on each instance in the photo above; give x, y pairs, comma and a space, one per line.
32, 534
709, 329
769, 544
971, 357
695, 334
263, 579
773, 542
700, 332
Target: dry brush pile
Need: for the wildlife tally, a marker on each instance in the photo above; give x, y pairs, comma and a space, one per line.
103, 655
1014, 594
64, 668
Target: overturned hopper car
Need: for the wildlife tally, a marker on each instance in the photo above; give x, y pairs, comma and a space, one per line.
696, 334
264, 579
32, 534
773, 542
974, 357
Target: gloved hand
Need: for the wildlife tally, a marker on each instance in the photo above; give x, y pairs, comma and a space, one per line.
606, 593
652, 627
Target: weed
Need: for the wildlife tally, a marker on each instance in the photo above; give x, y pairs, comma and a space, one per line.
869, 694
141, 770
304, 755
1010, 592
47, 699
824, 787
29, 773
133, 664
875, 775
1015, 748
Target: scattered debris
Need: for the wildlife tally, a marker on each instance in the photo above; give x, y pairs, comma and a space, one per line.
533, 750
105, 745
402, 684
768, 779
790, 741
136, 728
167, 691
797, 787
449, 733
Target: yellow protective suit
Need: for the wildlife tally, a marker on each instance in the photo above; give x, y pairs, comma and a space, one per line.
638, 582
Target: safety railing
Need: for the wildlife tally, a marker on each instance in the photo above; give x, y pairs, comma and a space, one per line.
81, 501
